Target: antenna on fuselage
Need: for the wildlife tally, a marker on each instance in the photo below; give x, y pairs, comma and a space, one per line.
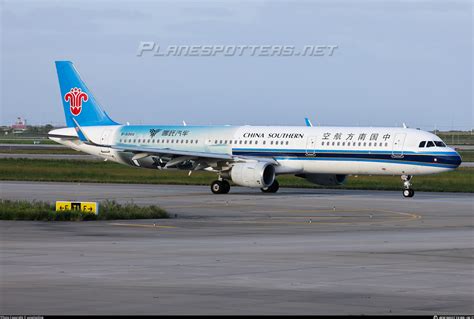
404, 125
184, 123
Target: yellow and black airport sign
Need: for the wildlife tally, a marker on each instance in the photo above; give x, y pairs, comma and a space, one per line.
86, 207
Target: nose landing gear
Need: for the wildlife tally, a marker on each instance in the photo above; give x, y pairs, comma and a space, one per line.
407, 191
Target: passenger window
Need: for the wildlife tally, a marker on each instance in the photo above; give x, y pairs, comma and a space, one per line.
256, 142
271, 142
264, 142
240, 142
276, 142
245, 142
430, 144
422, 144
287, 142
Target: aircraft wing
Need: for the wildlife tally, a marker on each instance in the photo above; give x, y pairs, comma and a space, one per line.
168, 151
200, 160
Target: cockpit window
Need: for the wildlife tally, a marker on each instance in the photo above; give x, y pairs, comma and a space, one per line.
422, 144
439, 144
430, 144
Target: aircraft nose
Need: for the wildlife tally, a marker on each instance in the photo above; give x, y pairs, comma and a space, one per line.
458, 159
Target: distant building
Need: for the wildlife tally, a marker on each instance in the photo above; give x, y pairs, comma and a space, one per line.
19, 126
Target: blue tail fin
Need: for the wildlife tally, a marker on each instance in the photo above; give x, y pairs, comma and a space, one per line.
78, 101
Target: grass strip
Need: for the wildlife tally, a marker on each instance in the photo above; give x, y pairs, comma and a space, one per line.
44, 211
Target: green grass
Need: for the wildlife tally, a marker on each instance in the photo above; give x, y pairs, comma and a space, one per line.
467, 156
26, 141
37, 210
66, 151
460, 180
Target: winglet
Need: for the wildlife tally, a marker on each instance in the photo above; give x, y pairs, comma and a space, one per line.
308, 122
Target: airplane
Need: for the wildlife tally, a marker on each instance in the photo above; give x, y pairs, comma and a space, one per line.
251, 156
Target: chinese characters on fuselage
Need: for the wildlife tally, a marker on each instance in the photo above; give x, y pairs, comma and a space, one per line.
355, 137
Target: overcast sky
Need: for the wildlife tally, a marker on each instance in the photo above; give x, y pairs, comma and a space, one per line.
396, 61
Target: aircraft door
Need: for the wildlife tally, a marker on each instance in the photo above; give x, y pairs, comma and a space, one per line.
104, 140
311, 146
397, 146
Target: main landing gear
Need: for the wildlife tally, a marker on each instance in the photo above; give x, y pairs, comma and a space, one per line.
273, 188
407, 190
220, 187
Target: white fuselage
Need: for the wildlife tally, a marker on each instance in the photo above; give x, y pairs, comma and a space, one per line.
315, 150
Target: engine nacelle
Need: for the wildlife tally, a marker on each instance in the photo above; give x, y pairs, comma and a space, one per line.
324, 179
253, 174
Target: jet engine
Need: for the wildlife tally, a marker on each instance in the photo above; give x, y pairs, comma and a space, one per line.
324, 179
253, 174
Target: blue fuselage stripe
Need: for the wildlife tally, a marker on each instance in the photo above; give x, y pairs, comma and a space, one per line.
437, 159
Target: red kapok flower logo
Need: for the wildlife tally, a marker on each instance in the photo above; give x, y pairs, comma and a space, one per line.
75, 97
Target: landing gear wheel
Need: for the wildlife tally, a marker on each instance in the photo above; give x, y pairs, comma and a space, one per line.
273, 188
220, 187
226, 186
407, 192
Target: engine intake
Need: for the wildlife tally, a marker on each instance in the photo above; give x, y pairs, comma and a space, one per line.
324, 179
254, 174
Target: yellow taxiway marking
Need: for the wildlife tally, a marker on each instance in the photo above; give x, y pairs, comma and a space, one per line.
141, 225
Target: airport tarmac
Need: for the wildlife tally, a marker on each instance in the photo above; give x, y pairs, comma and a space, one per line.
300, 251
